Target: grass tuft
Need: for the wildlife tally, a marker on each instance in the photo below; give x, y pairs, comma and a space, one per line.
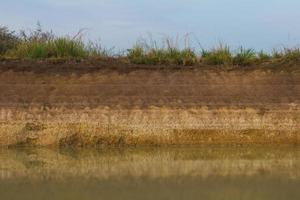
39, 44
170, 54
244, 57
8, 40
291, 55
263, 57
56, 48
217, 56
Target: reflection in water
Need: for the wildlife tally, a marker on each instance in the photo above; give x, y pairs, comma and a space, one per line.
210, 172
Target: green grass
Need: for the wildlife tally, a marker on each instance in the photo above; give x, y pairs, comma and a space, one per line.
62, 47
65, 47
263, 57
244, 57
40, 44
8, 40
143, 53
286, 55
57, 48
220, 55
291, 55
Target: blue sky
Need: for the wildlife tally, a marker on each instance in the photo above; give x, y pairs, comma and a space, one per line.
260, 24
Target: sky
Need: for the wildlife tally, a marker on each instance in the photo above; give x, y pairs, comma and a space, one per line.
259, 24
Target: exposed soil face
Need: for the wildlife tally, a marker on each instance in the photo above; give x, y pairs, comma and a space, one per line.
122, 65
112, 102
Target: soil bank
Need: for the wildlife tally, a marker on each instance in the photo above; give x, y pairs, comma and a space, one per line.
111, 103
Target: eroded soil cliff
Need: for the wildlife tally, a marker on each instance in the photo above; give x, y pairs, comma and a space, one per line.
113, 104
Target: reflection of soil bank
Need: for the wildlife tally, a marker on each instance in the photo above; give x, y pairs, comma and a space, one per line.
71, 106
204, 161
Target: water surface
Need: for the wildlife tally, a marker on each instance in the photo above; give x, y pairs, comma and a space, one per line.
205, 172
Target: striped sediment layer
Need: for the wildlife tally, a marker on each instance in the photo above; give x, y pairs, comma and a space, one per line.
146, 106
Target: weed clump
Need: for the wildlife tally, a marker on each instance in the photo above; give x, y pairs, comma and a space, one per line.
263, 57
8, 40
138, 55
244, 57
56, 48
220, 55
39, 44
291, 55
169, 53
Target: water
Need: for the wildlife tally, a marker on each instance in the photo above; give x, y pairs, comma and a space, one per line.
202, 172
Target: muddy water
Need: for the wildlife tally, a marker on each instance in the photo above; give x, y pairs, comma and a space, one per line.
199, 172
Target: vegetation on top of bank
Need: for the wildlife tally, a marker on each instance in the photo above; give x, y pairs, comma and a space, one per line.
8, 40
168, 52
40, 44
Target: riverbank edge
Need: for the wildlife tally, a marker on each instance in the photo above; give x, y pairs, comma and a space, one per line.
250, 125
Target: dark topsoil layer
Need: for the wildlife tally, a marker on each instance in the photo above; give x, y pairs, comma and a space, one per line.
82, 66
